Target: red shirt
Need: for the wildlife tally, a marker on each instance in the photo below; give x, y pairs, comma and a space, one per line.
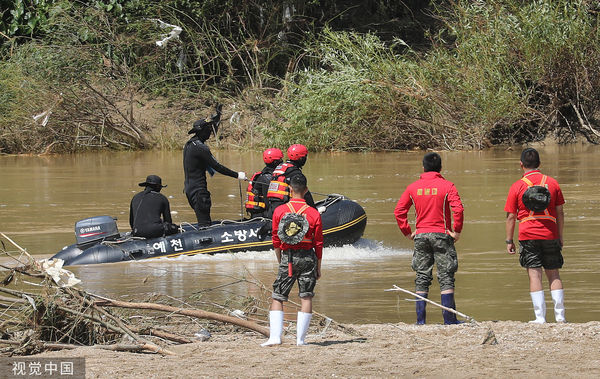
434, 198
314, 233
536, 229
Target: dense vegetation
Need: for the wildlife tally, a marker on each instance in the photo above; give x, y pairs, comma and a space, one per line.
454, 74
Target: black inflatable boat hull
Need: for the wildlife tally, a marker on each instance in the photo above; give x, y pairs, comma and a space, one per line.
344, 222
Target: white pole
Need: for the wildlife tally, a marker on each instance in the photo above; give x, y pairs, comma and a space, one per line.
396, 288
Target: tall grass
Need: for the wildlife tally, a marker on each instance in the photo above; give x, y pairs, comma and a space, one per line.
498, 71
501, 71
21, 98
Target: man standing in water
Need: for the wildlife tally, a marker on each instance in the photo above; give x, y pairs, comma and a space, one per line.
197, 160
536, 200
298, 243
434, 198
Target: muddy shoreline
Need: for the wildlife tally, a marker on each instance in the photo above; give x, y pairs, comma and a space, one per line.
374, 350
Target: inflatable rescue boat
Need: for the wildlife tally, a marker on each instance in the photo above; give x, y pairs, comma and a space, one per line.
99, 241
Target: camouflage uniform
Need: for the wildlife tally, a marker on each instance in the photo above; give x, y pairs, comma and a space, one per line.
438, 248
304, 270
541, 253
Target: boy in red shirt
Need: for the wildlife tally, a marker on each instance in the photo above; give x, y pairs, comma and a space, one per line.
299, 259
537, 202
434, 199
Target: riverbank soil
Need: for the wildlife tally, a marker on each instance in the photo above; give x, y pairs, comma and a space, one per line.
523, 350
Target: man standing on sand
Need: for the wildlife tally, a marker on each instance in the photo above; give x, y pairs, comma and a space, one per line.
298, 242
434, 198
537, 202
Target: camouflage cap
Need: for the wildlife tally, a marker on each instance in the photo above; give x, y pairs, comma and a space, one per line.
292, 228
536, 198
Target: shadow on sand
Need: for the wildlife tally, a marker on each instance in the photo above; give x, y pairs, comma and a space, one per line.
329, 343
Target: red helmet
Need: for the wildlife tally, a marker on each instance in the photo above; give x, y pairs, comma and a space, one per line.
271, 155
297, 152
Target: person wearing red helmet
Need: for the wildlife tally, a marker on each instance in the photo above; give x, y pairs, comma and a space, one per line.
279, 188
256, 200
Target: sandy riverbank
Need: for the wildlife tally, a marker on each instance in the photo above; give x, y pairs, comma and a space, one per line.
523, 350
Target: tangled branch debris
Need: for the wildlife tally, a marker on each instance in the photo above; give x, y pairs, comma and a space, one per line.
42, 308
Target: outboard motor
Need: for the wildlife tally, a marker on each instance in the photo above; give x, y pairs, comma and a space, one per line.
96, 229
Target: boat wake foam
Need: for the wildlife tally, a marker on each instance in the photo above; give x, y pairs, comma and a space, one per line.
362, 250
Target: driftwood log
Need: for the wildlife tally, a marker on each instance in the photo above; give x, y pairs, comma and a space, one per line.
490, 337
62, 317
104, 302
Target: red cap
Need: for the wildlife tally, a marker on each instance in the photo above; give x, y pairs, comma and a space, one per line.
297, 152
272, 155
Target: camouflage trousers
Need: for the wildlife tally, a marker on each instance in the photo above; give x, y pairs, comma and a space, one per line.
435, 248
304, 270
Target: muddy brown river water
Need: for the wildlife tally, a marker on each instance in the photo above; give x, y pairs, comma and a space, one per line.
42, 197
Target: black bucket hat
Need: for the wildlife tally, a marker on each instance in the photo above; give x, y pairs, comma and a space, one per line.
292, 228
152, 180
536, 198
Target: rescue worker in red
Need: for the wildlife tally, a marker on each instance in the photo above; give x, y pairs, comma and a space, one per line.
279, 192
300, 261
434, 198
257, 203
536, 200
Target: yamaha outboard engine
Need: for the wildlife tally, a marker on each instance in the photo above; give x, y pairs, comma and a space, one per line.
88, 232
93, 230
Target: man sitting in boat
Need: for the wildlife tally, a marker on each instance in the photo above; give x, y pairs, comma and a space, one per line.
149, 213
279, 189
256, 201
197, 160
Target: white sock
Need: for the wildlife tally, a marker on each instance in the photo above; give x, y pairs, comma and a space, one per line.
302, 324
558, 297
539, 307
275, 328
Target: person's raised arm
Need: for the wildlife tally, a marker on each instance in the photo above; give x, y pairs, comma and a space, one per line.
212, 162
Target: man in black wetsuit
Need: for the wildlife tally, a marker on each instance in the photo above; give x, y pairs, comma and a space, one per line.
197, 160
147, 208
256, 202
279, 192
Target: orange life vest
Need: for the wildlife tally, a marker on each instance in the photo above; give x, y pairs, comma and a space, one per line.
278, 188
532, 215
254, 200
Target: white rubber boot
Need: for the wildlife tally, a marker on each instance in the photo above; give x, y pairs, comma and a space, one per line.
275, 328
539, 307
558, 297
302, 327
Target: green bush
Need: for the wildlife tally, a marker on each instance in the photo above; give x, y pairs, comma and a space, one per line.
501, 71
